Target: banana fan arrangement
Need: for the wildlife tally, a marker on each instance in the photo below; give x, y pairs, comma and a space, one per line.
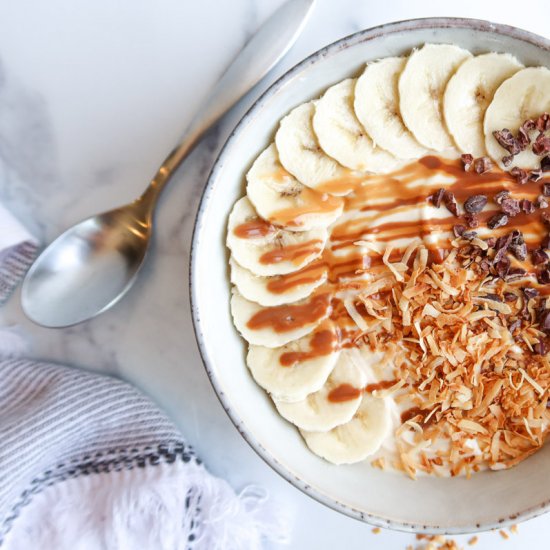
380, 258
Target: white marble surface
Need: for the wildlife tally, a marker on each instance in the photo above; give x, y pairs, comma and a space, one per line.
92, 96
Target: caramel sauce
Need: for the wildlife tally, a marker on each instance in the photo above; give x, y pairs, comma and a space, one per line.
344, 392
294, 253
414, 411
323, 342
312, 202
291, 316
309, 274
377, 386
253, 229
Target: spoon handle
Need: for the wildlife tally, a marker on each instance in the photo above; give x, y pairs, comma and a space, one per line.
261, 53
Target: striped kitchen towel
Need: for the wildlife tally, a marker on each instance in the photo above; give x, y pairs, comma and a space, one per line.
89, 463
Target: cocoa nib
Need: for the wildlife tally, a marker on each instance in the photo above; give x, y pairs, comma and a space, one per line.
467, 161
539, 256
450, 202
507, 160
510, 207
541, 202
519, 251
545, 164
546, 189
514, 326
543, 276
475, 204
542, 123
507, 141
469, 235
528, 207
499, 197
458, 230
522, 177
530, 293
545, 320
515, 273
535, 175
437, 197
498, 220
502, 267
510, 297
472, 220
482, 165
541, 145
539, 348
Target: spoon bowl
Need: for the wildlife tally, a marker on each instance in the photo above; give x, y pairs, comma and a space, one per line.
87, 268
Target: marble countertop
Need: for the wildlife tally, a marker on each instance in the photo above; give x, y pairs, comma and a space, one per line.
92, 97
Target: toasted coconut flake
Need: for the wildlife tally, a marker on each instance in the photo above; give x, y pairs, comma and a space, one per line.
355, 315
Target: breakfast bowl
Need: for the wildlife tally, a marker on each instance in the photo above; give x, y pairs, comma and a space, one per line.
430, 504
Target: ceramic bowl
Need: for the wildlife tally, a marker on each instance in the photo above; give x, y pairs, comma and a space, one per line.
429, 504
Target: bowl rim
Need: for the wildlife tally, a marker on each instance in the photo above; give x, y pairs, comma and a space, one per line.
343, 43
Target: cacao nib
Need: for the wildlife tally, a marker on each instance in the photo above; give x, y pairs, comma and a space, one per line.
467, 161
543, 122
523, 135
484, 265
475, 204
458, 230
515, 273
535, 175
545, 320
482, 165
507, 160
546, 189
539, 348
510, 297
527, 206
514, 326
507, 141
510, 207
539, 256
502, 267
450, 202
494, 297
545, 164
543, 276
469, 235
541, 145
491, 242
437, 197
499, 197
472, 220
541, 202
519, 251
530, 293
498, 220
522, 177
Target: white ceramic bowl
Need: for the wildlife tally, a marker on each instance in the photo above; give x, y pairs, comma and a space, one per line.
430, 504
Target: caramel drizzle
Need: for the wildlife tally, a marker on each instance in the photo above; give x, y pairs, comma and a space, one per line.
294, 253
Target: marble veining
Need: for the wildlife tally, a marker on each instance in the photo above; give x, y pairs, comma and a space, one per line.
91, 100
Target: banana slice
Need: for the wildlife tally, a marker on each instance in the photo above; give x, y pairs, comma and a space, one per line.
292, 372
267, 250
318, 412
280, 289
341, 135
301, 155
276, 326
469, 92
356, 440
421, 87
376, 106
281, 199
524, 95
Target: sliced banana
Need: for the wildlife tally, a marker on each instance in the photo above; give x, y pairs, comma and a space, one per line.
357, 439
281, 199
468, 94
421, 87
301, 155
301, 367
341, 135
524, 95
276, 326
279, 289
376, 106
267, 250
317, 412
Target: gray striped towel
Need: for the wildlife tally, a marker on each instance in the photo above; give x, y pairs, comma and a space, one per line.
89, 463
